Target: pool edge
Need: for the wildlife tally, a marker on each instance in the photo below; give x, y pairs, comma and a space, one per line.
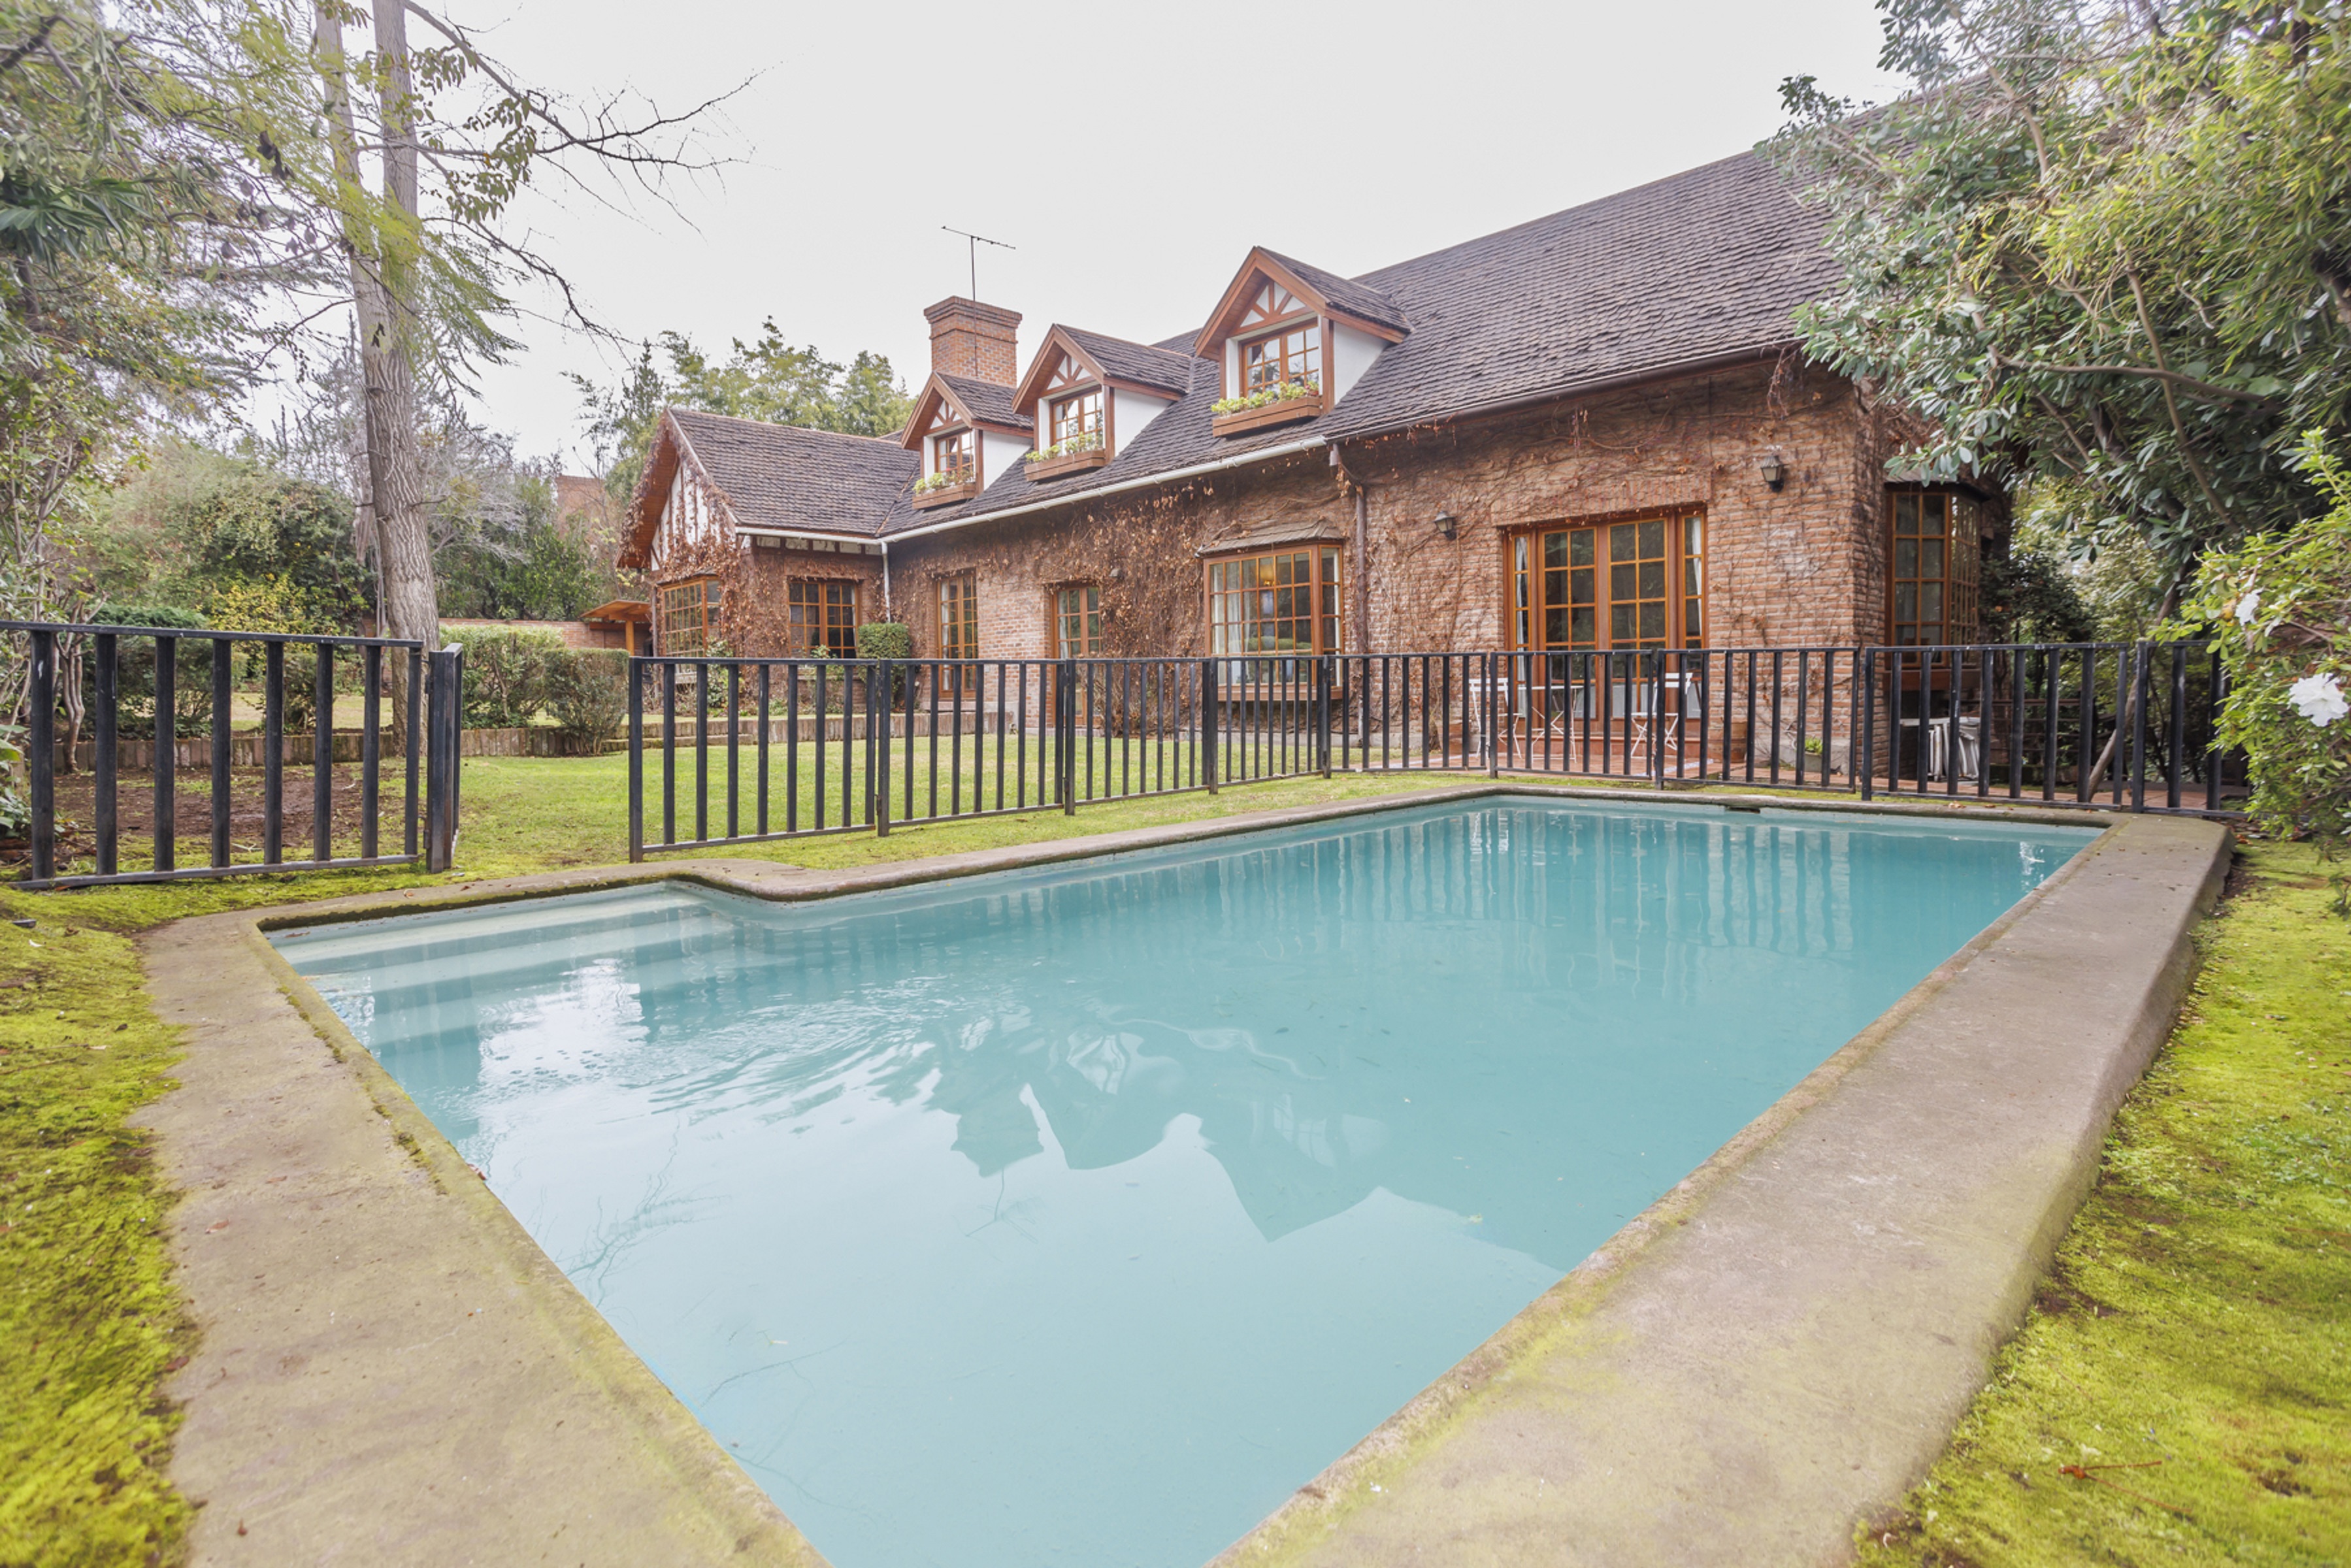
1362, 1509
226, 962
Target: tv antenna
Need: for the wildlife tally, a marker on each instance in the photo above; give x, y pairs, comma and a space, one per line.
972, 243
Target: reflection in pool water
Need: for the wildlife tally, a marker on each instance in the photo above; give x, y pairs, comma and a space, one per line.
1077, 1215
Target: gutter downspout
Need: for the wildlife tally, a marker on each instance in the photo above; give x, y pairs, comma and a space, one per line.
886, 614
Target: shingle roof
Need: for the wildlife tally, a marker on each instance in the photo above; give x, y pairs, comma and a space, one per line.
988, 401
1138, 362
1347, 295
1690, 267
1698, 266
781, 476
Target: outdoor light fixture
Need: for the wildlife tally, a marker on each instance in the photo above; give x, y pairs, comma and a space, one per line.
1775, 471
1446, 526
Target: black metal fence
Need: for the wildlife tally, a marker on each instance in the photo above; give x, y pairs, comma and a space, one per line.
749, 750
164, 701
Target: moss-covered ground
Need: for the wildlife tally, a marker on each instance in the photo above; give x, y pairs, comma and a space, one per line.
88, 1321
2180, 1393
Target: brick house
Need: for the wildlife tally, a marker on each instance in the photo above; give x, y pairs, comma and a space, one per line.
1595, 430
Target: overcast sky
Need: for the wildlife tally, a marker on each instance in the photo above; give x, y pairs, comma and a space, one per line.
1132, 152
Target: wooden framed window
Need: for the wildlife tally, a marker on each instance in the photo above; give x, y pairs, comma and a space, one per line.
1078, 419
1287, 602
689, 616
959, 628
1077, 621
824, 616
1635, 584
1292, 354
953, 453
1934, 559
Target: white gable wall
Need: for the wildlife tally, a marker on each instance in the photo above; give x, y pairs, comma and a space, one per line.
1130, 412
999, 454
1351, 353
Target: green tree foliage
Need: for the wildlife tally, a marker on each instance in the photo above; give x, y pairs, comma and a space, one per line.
245, 545
2101, 244
2279, 610
538, 570
142, 227
766, 378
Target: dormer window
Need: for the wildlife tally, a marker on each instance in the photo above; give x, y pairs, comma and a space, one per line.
1293, 340
1073, 405
953, 455
1292, 357
1077, 422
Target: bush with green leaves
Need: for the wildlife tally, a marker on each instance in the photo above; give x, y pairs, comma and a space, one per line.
507, 674
2278, 610
885, 640
587, 695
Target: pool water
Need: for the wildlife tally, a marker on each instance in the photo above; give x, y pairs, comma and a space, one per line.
1077, 1215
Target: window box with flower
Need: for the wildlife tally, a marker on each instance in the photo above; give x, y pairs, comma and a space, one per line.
948, 488
1277, 404
1086, 450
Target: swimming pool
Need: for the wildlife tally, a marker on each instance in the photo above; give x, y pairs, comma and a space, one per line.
1078, 1215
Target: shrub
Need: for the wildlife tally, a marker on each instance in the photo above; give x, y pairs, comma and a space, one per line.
506, 673
588, 693
885, 640
2277, 610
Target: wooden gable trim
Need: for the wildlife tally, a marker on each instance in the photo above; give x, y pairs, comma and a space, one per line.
671, 450
1232, 309
1058, 345
923, 424
935, 393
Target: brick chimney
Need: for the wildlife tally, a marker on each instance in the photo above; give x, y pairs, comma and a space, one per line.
968, 338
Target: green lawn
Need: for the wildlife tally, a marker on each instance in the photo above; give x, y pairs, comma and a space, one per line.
2182, 1390
2198, 1316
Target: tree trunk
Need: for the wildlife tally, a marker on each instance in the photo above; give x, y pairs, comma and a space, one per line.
396, 497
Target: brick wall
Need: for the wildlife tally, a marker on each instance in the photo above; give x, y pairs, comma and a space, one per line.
969, 339
1801, 565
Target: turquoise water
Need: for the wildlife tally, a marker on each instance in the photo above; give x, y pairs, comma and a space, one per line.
1077, 1215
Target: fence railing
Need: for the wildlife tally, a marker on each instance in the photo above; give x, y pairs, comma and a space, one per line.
734, 751
2128, 724
108, 679
731, 751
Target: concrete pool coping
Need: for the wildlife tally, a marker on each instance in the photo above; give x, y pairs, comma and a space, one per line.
1775, 1349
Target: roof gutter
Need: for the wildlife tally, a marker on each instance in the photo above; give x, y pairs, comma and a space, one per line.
1580, 388
1239, 460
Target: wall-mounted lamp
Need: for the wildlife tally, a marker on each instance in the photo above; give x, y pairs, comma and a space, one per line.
1448, 525
1775, 471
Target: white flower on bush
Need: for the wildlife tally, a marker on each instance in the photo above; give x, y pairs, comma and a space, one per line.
2248, 607
2319, 698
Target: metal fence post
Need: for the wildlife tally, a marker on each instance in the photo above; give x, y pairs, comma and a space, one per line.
1209, 723
2142, 660
881, 711
1493, 718
1065, 730
442, 725
1322, 718
102, 650
636, 759
1866, 696
41, 753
